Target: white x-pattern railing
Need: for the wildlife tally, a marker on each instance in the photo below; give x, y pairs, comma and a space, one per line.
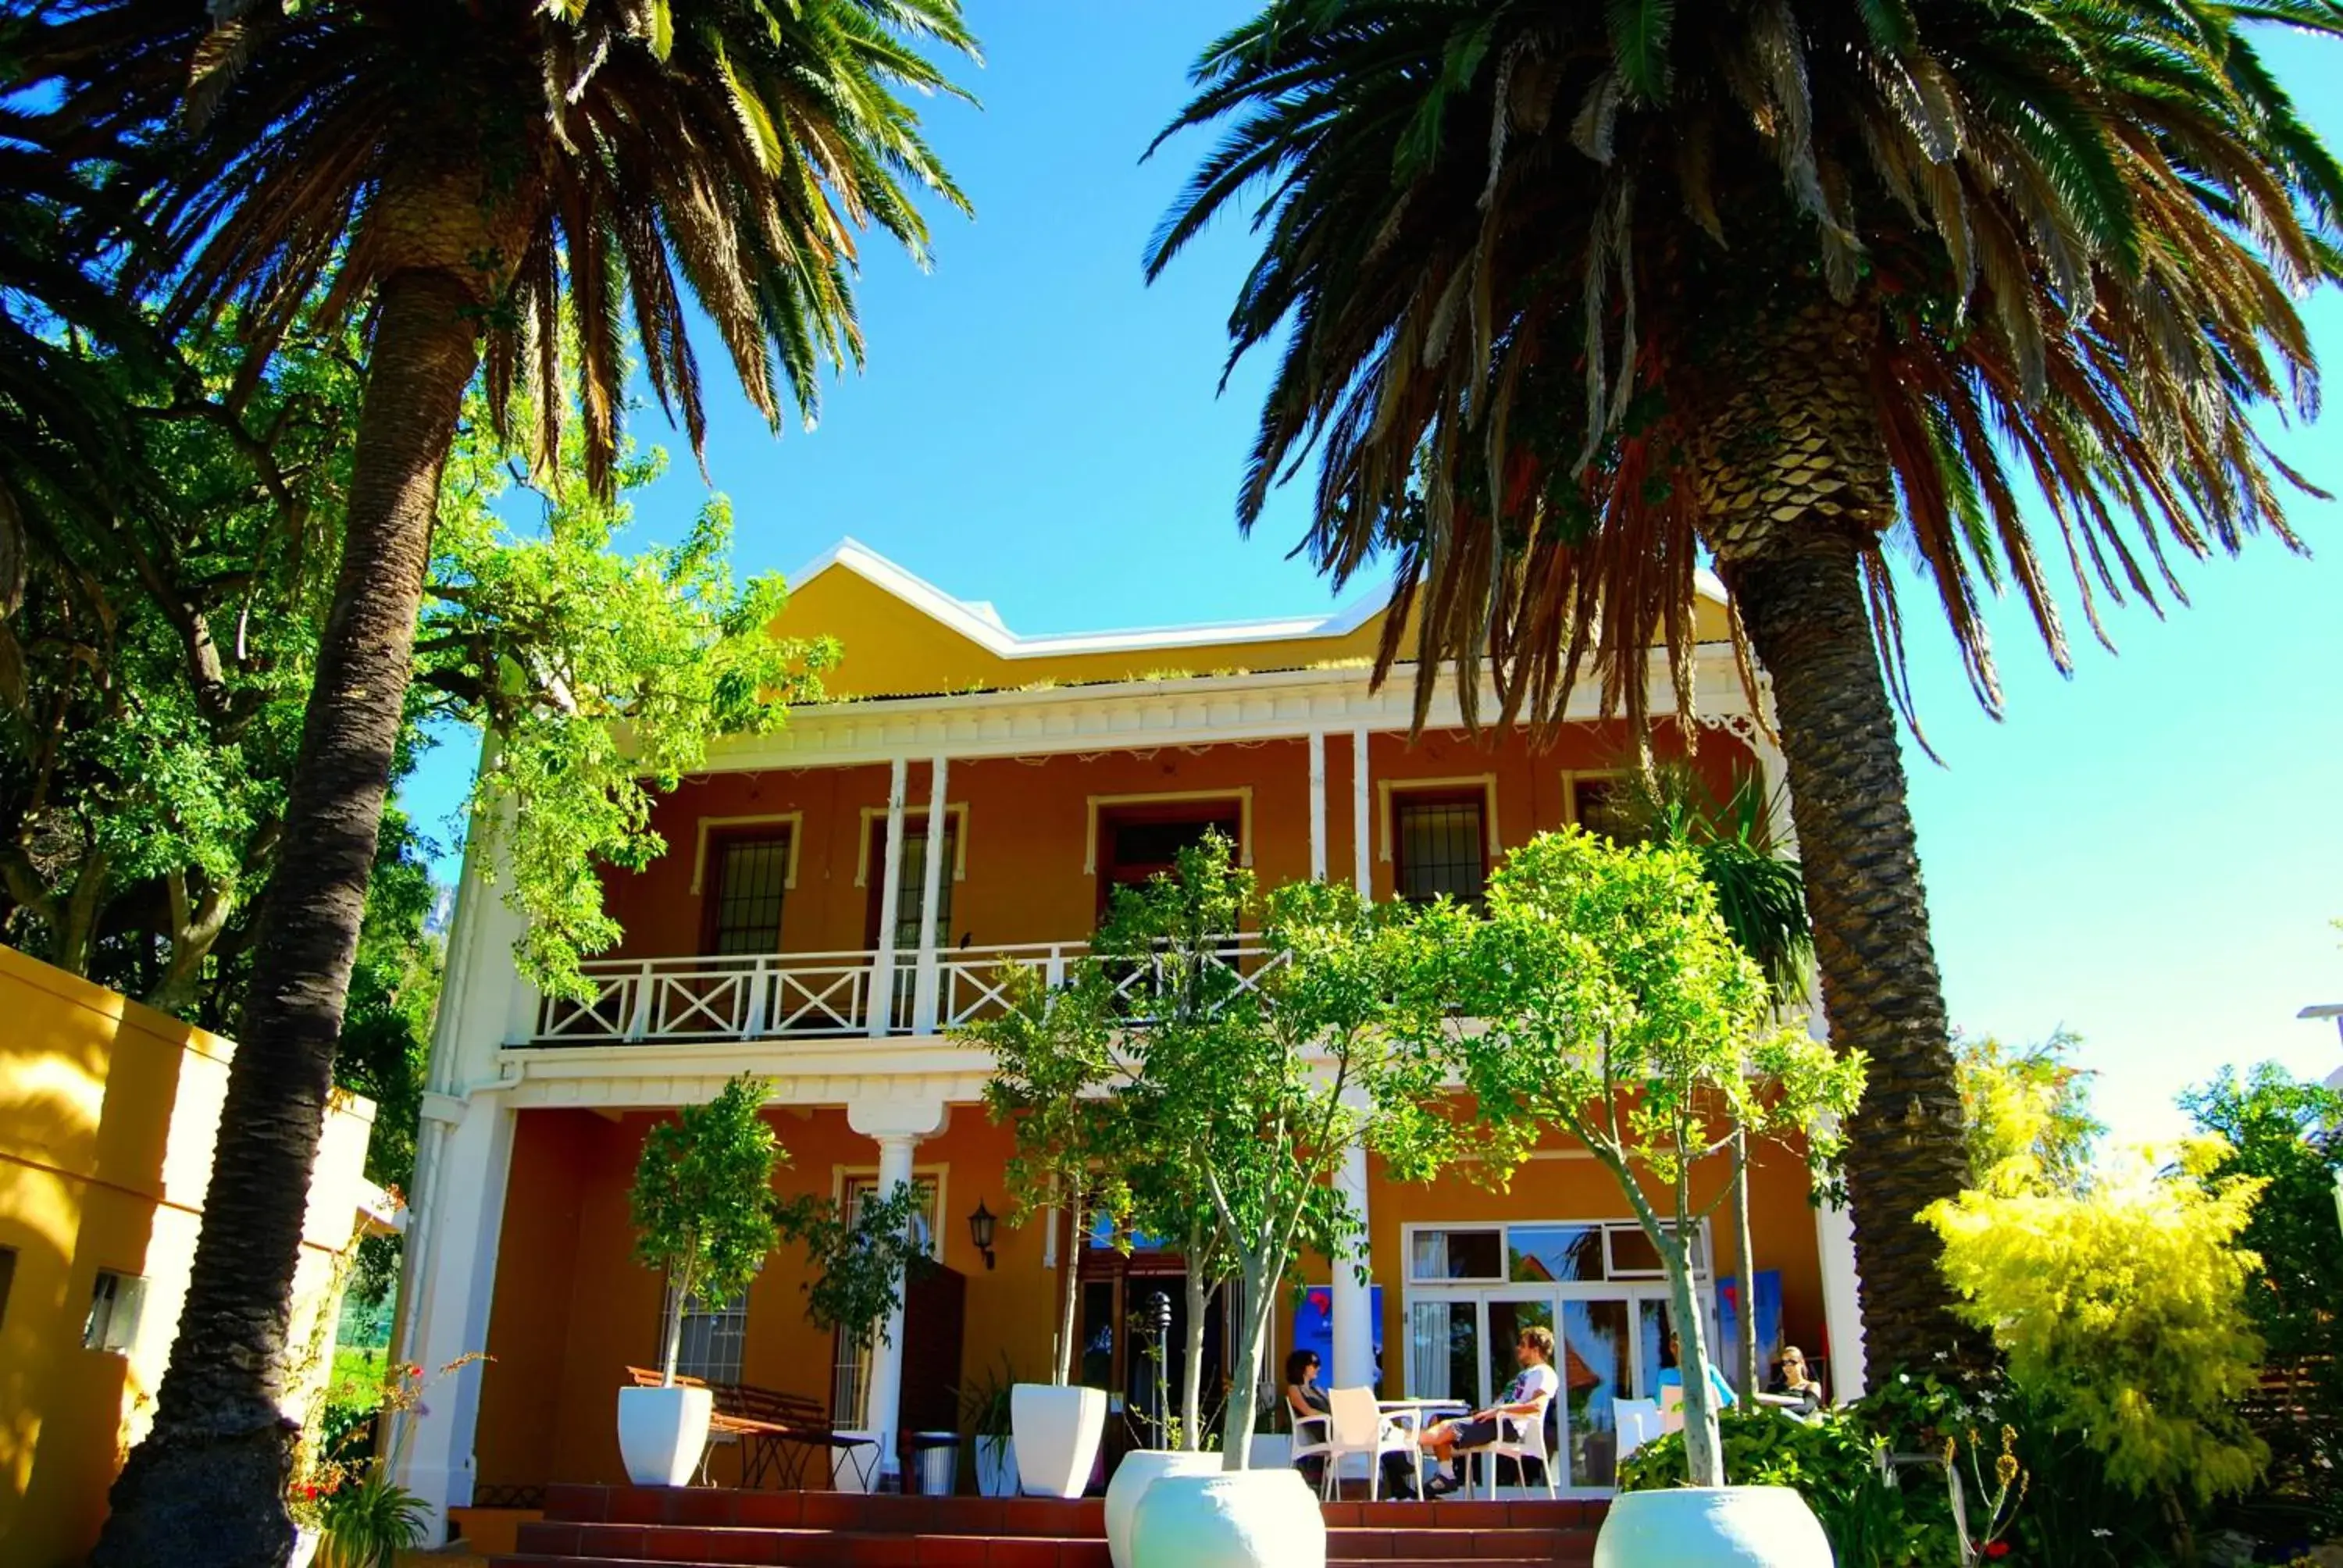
768, 996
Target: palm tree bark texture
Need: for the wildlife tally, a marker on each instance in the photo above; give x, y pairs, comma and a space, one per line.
218, 1428
1796, 488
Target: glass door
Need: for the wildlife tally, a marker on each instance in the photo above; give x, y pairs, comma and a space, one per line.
1595, 1369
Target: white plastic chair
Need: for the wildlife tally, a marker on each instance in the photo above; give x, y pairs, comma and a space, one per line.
1312, 1436
1637, 1421
1358, 1425
1527, 1442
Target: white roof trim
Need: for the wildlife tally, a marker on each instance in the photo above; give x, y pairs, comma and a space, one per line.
982, 624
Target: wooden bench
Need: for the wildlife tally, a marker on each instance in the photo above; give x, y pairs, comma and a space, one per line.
775, 1432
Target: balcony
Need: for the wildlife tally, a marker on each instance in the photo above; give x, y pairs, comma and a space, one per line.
706, 997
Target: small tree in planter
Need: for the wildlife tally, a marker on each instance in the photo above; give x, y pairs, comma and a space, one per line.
1317, 1053
702, 1208
860, 1264
1608, 1003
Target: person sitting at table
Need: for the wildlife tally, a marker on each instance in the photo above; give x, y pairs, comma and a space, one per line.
1523, 1402
1305, 1401
1795, 1389
1672, 1376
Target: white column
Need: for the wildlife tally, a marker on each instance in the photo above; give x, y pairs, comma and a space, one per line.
1317, 805
1842, 1301
882, 963
1363, 849
932, 874
455, 1281
897, 1126
1354, 1302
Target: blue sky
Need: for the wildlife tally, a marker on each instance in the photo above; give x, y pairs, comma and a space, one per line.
2149, 854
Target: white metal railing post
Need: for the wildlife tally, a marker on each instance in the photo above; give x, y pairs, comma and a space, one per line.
882, 963
932, 873
639, 1021
1054, 975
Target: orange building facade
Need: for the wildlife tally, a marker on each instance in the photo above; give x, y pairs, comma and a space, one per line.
810, 923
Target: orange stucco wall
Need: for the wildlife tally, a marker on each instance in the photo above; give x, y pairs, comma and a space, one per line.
1027, 820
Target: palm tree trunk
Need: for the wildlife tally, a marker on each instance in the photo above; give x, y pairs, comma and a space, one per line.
1796, 485
207, 1487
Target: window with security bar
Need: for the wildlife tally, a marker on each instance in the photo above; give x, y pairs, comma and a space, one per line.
714, 1338
1440, 847
752, 875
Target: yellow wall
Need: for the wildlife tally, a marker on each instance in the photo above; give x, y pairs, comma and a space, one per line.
107, 1111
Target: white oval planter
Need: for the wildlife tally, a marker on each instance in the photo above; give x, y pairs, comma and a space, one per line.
1237, 1519
1139, 1470
1057, 1434
1712, 1527
856, 1468
306, 1540
662, 1433
996, 1467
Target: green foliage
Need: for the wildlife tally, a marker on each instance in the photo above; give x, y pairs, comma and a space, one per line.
702, 1202
2289, 1135
2027, 1112
1618, 1009
2123, 1307
984, 1400
860, 1262
370, 1520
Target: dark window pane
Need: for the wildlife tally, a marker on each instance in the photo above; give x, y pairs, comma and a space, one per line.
751, 875
1632, 1252
1441, 850
1152, 844
7, 1279
1598, 806
1458, 1256
912, 881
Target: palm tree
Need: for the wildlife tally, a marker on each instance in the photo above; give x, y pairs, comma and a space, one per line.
467, 173
1575, 298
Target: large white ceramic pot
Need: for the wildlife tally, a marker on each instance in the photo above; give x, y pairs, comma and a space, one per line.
662, 1433
1139, 1470
1237, 1519
1712, 1527
996, 1467
854, 1467
1057, 1434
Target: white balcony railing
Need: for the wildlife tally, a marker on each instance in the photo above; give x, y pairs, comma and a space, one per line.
811, 995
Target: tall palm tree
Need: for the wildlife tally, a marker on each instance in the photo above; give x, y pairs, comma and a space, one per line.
465, 172
1574, 296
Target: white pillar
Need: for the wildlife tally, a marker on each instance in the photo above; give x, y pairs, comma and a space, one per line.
882, 963
1842, 1301
932, 873
1354, 1299
455, 1283
1362, 851
897, 1126
1317, 805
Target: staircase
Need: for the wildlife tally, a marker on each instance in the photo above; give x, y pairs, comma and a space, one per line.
629, 1527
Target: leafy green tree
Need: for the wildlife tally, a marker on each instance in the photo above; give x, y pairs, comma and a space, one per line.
1573, 300
859, 1263
2027, 1110
462, 178
1324, 1049
1611, 1005
702, 1203
2289, 1135
2124, 1308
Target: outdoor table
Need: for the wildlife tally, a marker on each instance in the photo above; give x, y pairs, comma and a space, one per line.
1423, 1411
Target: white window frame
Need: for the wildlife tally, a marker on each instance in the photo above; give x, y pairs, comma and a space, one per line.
117, 1304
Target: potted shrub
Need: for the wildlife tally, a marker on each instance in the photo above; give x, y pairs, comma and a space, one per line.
1270, 1086
703, 1212
857, 1266
984, 1412
1054, 1063
1609, 1003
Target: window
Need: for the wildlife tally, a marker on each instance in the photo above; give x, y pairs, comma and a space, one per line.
115, 1304
751, 875
1139, 841
7, 1279
859, 1189
1440, 847
1535, 1254
1594, 801
1458, 1255
712, 1338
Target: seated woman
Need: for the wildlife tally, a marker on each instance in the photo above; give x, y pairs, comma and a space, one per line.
1795, 1389
1524, 1401
1305, 1401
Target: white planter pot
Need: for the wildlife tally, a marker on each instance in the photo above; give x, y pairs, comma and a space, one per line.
1712, 1527
1139, 1470
1057, 1431
306, 1541
855, 1468
662, 1433
996, 1467
1237, 1519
